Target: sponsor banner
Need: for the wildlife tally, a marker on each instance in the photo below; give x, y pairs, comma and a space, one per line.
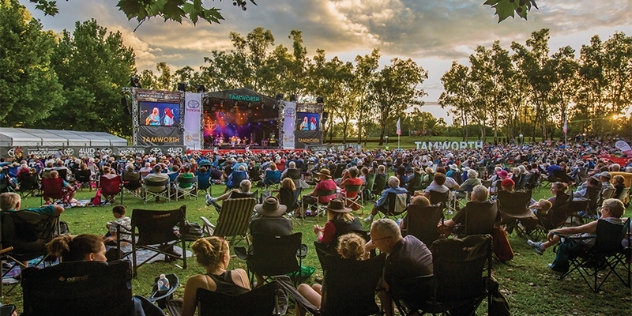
89, 152
159, 136
304, 138
192, 119
336, 148
289, 122
157, 96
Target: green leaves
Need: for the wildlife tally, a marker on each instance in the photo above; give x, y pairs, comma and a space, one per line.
506, 8
174, 10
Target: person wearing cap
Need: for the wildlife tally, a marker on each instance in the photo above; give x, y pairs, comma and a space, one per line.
325, 184
341, 221
501, 175
508, 185
156, 176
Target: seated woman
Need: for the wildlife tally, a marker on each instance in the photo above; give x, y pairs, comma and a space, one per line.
416, 200
341, 221
186, 174
84, 247
69, 188
272, 175
351, 247
213, 254
286, 195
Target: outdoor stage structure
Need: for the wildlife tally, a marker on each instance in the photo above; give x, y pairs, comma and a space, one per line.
239, 119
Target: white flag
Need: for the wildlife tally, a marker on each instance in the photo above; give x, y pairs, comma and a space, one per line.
565, 129
399, 127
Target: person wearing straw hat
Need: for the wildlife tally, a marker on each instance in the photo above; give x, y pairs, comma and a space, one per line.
325, 184
270, 220
341, 221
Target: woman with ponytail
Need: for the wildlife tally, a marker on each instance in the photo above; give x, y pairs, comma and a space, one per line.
85, 247
213, 254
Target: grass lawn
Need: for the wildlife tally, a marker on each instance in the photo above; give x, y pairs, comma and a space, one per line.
526, 282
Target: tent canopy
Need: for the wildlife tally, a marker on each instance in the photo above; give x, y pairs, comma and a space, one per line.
10, 137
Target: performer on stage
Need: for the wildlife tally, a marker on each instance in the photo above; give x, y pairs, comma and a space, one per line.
153, 118
168, 120
312, 124
245, 140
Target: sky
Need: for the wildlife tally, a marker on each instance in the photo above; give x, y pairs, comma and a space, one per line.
431, 32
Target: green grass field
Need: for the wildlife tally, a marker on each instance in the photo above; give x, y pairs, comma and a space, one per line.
526, 282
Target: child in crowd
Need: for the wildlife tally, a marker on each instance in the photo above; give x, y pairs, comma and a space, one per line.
541, 207
120, 219
350, 247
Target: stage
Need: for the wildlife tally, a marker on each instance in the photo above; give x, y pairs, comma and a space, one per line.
241, 151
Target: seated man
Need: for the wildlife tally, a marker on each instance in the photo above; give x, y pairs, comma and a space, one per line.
382, 202
157, 176
611, 211
69, 188
407, 258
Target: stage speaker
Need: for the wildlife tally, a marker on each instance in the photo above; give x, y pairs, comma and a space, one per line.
201, 88
125, 106
279, 96
325, 117
135, 82
319, 100
182, 86
293, 97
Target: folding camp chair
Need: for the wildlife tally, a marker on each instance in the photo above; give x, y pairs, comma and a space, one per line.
81, 288
154, 231
395, 204
480, 218
84, 179
345, 291
356, 202
602, 259
295, 175
110, 188
53, 189
462, 274
379, 184
29, 184
234, 219
164, 193
186, 187
422, 222
515, 212
27, 234
132, 183
290, 198
554, 218
261, 301
274, 255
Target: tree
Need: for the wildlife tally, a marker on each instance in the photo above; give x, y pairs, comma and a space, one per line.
459, 94
396, 87
364, 74
93, 66
176, 10
563, 83
28, 83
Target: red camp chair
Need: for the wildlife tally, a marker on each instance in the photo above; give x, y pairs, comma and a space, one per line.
53, 188
110, 187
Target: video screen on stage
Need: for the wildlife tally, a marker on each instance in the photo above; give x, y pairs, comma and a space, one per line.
159, 114
307, 121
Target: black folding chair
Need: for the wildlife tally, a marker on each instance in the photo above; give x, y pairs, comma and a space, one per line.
422, 222
515, 212
261, 301
462, 274
26, 234
480, 218
274, 255
154, 231
29, 184
602, 259
80, 288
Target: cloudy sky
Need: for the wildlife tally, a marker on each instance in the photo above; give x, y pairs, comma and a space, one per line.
431, 32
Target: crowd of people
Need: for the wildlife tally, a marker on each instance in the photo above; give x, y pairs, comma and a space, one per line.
477, 174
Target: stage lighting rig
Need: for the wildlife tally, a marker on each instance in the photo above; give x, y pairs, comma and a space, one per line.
201, 88
182, 86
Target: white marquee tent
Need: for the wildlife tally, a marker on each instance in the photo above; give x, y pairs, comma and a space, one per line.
11, 137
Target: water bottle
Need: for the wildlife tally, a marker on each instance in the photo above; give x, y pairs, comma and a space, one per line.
308, 212
163, 284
